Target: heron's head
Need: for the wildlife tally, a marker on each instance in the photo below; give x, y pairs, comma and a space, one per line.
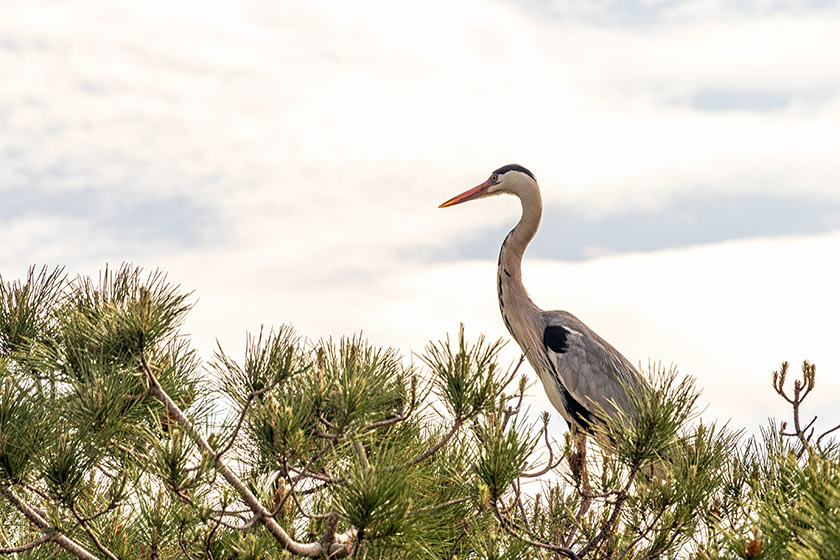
511, 179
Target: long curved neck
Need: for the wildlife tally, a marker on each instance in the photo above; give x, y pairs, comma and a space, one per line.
515, 304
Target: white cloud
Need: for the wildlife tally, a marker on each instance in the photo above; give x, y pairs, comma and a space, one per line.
323, 135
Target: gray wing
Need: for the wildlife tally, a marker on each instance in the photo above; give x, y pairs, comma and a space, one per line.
587, 367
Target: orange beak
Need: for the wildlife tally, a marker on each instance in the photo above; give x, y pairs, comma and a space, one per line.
472, 194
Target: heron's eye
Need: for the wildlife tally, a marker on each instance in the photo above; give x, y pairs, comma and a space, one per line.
494, 178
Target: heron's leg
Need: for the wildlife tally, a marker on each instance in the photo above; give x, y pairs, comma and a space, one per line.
577, 458
577, 464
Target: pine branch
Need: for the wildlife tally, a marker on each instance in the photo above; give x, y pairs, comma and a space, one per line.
512, 529
338, 548
444, 505
435, 448
62, 540
621, 498
396, 418
550, 464
834, 429
83, 523
251, 396
28, 546
801, 389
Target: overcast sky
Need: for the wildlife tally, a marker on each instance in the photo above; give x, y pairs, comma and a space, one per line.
285, 160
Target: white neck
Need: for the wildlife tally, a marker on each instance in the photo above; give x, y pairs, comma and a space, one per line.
515, 304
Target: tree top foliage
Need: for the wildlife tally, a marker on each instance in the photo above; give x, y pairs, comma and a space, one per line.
117, 441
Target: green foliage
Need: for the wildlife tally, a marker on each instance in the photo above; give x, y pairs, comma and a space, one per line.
376, 498
26, 309
503, 450
116, 441
467, 380
22, 426
661, 409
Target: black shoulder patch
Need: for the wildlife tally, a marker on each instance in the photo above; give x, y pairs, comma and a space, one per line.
555, 339
514, 167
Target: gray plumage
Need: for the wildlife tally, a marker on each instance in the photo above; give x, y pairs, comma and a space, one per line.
579, 370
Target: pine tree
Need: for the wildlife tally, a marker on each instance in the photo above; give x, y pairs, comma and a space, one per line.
117, 441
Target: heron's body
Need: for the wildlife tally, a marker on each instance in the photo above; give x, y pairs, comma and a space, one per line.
580, 371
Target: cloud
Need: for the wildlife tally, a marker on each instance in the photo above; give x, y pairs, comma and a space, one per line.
127, 220
695, 218
285, 161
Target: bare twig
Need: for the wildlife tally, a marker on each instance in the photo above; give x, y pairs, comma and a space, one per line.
316, 476
181, 543
454, 548
518, 487
294, 495
305, 471
509, 411
642, 534
132, 398
332, 437
325, 422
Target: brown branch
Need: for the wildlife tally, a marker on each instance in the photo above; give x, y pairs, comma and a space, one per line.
83, 523
518, 487
642, 534
132, 398
251, 396
440, 506
339, 548
549, 466
608, 526
435, 448
382, 423
316, 476
181, 543
458, 540
834, 429
511, 529
62, 540
325, 422
294, 495
309, 463
509, 412
28, 546
332, 437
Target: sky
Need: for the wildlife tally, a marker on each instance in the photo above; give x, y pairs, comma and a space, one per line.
284, 162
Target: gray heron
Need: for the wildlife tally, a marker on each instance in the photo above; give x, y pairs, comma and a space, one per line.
581, 373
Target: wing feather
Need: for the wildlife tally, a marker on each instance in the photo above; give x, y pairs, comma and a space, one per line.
590, 371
